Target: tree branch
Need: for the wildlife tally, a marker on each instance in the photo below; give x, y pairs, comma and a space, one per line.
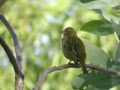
19, 82
11, 58
14, 37
58, 68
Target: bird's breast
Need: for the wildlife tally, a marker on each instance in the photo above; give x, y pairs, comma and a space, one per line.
67, 49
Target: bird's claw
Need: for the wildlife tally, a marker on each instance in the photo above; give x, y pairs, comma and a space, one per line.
70, 62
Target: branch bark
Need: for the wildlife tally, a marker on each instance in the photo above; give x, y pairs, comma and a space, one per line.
19, 82
11, 58
58, 68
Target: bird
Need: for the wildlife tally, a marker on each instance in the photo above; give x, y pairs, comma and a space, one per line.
73, 48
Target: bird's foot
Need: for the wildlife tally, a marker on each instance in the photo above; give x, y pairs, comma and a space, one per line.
76, 63
70, 62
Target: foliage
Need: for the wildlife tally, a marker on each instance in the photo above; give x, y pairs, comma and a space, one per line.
97, 80
37, 24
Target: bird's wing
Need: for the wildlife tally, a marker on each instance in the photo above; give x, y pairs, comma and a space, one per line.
74, 53
73, 49
78, 50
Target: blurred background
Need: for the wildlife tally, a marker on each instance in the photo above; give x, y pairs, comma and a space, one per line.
37, 24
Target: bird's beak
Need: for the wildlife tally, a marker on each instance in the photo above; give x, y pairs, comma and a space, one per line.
61, 31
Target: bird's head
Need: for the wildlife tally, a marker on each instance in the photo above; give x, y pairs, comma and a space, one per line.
69, 32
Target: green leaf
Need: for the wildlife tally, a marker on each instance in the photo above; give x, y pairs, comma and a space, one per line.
116, 61
95, 81
98, 27
86, 1
90, 87
95, 55
99, 4
117, 55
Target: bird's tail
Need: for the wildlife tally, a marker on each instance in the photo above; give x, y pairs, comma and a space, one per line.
84, 70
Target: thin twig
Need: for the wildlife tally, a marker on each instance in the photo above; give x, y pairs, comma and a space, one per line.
11, 57
61, 67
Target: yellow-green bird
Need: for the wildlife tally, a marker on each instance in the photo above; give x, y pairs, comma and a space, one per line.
73, 48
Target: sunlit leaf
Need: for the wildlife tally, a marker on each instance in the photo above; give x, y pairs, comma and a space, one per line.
99, 4
107, 16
